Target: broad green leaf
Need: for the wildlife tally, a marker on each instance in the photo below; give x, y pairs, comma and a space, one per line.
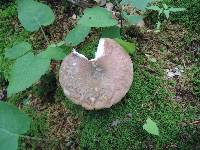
151, 127
139, 4
55, 53
176, 9
8, 141
128, 47
156, 8
12, 123
33, 15
166, 12
77, 35
132, 19
97, 17
12, 120
111, 32
26, 71
17, 50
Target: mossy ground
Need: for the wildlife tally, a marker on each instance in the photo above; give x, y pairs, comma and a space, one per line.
59, 124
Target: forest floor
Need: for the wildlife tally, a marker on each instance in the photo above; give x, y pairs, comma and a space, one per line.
172, 101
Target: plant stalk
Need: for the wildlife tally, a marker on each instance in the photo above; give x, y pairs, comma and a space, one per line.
42, 31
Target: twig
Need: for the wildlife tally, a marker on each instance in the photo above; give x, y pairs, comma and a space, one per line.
37, 139
40, 139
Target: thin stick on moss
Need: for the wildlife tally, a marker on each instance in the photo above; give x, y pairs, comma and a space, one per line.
40, 139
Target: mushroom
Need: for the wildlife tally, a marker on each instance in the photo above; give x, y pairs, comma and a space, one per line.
100, 82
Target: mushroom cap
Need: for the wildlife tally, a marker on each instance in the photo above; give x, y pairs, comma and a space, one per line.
100, 82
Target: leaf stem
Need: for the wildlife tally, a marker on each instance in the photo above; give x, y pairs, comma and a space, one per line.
42, 31
120, 15
44, 35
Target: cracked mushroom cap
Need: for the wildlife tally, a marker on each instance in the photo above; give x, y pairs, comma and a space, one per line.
100, 82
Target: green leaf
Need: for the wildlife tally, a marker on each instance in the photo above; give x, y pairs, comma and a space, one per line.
17, 50
128, 47
111, 32
97, 17
77, 35
151, 127
8, 141
26, 71
156, 8
55, 53
139, 4
12, 123
176, 9
33, 15
132, 19
12, 120
166, 12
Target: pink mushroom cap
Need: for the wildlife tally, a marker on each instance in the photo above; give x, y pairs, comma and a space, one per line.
100, 82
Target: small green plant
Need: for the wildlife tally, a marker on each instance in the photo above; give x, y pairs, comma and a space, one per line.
151, 127
28, 68
145, 5
33, 15
164, 10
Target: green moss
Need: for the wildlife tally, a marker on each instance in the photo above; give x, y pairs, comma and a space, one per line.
88, 49
196, 81
39, 126
147, 97
4, 3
